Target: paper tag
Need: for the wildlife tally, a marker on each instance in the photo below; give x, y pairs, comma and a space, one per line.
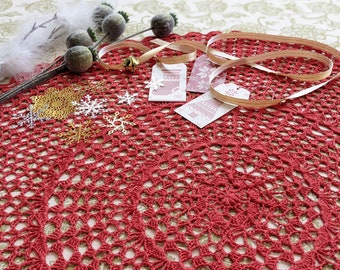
168, 82
205, 109
199, 77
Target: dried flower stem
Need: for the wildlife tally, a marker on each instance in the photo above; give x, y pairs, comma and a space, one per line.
40, 78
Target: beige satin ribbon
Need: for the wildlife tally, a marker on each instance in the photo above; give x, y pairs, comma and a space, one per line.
189, 49
182, 45
215, 57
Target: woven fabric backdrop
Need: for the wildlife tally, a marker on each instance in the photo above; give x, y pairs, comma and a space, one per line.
256, 189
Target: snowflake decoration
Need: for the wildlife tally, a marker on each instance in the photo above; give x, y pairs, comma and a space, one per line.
128, 98
81, 132
153, 85
90, 107
203, 85
204, 71
118, 122
30, 118
56, 103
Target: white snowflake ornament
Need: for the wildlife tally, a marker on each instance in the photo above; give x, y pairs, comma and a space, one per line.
204, 72
153, 85
29, 118
127, 97
118, 123
90, 107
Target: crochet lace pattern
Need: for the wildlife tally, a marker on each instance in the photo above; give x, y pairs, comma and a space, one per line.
137, 186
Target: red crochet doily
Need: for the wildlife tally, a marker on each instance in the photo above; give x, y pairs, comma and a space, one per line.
256, 189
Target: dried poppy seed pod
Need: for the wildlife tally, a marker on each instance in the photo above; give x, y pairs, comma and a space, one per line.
79, 38
162, 25
114, 25
100, 13
78, 59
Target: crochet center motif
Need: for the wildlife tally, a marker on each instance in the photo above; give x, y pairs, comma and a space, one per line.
256, 189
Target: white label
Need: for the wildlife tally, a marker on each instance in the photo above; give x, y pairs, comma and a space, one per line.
205, 109
199, 77
168, 82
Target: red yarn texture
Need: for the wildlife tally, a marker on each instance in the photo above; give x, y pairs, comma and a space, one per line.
256, 189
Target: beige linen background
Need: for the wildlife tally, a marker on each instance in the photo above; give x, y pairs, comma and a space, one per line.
312, 19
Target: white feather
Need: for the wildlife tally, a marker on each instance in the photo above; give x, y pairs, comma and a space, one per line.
42, 39
19, 61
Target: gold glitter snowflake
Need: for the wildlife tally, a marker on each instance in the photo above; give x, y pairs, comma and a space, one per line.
57, 103
118, 122
80, 132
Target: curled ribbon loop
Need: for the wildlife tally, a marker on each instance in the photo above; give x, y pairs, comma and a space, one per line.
225, 61
220, 58
113, 46
181, 45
